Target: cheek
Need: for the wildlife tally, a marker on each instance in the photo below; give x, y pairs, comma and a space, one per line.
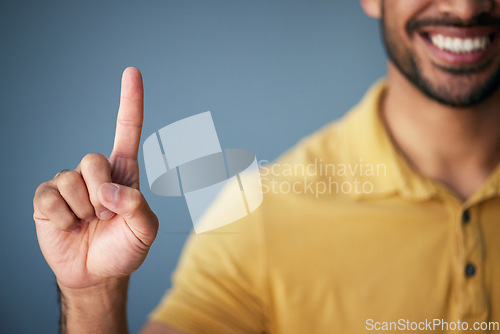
394, 29
412, 7
400, 12
394, 17
397, 44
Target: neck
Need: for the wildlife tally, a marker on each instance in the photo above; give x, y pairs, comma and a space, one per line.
459, 147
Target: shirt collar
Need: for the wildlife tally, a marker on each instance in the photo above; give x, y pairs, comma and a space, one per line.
371, 144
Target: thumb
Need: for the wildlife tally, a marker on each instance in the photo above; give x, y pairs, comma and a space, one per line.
132, 206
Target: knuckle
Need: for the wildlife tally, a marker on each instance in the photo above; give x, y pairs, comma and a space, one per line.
64, 170
39, 193
68, 179
40, 189
93, 158
49, 201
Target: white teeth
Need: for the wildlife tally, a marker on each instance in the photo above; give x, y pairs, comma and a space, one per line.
460, 45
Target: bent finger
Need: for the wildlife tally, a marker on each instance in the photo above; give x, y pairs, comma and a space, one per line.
49, 202
96, 170
73, 189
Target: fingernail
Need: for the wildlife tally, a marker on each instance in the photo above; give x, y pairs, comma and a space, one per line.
106, 214
110, 192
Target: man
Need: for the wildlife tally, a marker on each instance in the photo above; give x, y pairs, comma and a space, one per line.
399, 248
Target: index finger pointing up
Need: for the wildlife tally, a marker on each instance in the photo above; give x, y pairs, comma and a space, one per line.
130, 115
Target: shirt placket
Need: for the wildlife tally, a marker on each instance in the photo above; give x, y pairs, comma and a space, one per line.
470, 267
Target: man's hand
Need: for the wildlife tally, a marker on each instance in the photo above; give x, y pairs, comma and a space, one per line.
93, 224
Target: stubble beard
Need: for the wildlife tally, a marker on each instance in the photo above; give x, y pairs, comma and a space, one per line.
454, 93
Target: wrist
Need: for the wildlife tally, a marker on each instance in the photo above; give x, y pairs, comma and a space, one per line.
97, 309
107, 288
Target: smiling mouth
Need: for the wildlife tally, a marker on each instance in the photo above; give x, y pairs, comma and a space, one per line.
460, 45
452, 46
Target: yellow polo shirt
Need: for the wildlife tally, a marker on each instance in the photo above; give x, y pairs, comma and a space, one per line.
349, 239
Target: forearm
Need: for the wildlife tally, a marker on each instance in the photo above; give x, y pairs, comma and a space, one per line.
95, 310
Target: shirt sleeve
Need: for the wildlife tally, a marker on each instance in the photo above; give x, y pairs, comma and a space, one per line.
219, 285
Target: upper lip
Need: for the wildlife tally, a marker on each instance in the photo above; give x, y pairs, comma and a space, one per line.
459, 32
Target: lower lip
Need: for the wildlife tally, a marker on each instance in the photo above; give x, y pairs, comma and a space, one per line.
469, 58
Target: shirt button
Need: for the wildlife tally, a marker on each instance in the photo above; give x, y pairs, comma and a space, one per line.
470, 270
466, 216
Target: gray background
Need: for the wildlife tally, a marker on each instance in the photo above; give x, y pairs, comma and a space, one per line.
271, 72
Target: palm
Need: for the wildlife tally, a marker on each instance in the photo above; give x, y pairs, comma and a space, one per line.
101, 249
